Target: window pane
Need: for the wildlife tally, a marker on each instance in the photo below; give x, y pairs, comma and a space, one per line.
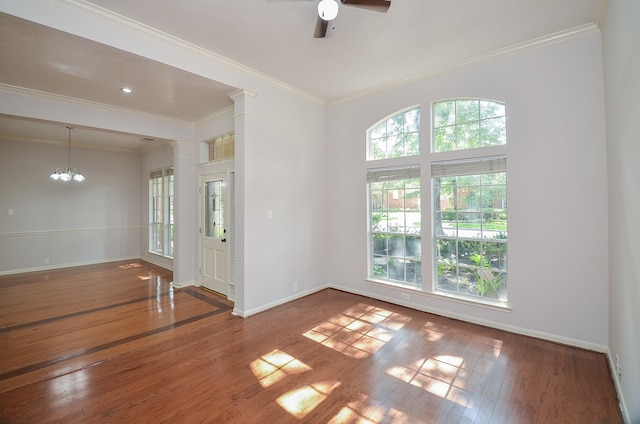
155, 212
493, 132
468, 124
491, 109
395, 146
396, 246
214, 209
380, 267
222, 147
470, 227
414, 247
468, 135
397, 136
446, 264
414, 272
412, 144
445, 139
378, 148
395, 222
444, 114
380, 131
495, 254
412, 121
467, 111
395, 125
380, 243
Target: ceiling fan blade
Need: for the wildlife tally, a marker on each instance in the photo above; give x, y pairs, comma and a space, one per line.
321, 28
375, 5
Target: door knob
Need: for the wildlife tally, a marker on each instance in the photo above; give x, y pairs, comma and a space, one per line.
224, 240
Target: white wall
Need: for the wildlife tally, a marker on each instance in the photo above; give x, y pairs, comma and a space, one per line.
66, 223
284, 166
557, 191
621, 33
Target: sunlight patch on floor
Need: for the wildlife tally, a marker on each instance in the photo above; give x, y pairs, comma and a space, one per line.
358, 332
132, 265
276, 365
433, 332
441, 375
362, 412
301, 401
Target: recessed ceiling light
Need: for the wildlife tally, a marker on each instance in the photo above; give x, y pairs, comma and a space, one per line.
126, 90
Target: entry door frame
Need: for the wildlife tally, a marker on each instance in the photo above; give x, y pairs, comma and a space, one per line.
206, 173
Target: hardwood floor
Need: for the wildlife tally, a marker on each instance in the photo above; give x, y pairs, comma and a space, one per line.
114, 343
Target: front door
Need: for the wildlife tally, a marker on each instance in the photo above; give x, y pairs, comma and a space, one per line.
213, 233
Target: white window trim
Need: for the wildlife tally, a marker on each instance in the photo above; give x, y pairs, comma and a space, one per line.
164, 174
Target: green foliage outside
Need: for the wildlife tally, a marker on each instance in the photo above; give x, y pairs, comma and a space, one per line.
468, 124
397, 136
474, 205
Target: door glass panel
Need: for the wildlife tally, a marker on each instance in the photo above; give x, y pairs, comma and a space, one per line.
214, 224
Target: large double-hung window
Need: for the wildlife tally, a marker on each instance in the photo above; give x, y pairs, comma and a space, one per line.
467, 167
469, 214
395, 225
395, 209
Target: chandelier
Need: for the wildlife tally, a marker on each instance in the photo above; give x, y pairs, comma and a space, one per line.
67, 174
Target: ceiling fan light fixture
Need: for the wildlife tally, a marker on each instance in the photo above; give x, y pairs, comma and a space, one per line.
328, 10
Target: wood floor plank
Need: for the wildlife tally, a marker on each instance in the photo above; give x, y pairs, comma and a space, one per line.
113, 343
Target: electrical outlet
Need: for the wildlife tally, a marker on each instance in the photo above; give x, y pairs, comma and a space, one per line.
295, 286
46, 261
405, 296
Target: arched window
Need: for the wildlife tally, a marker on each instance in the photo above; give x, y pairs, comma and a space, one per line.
395, 136
394, 211
468, 212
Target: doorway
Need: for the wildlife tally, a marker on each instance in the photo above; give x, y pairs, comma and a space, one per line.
214, 223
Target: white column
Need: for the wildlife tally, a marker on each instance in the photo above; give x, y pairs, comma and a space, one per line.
242, 119
185, 256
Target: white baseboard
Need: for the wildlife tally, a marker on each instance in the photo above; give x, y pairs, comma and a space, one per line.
487, 323
616, 382
298, 295
69, 265
156, 262
184, 284
474, 320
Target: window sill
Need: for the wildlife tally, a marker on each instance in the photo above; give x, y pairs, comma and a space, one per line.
159, 254
481, 303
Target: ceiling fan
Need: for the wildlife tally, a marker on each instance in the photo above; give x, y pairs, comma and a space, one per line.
328, 10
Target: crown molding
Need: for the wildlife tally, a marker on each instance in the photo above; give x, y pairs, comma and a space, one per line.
107, 15
557, 37
22, 91
81, 145
227, 110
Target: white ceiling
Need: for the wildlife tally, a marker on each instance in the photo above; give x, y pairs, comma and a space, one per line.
366, 50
